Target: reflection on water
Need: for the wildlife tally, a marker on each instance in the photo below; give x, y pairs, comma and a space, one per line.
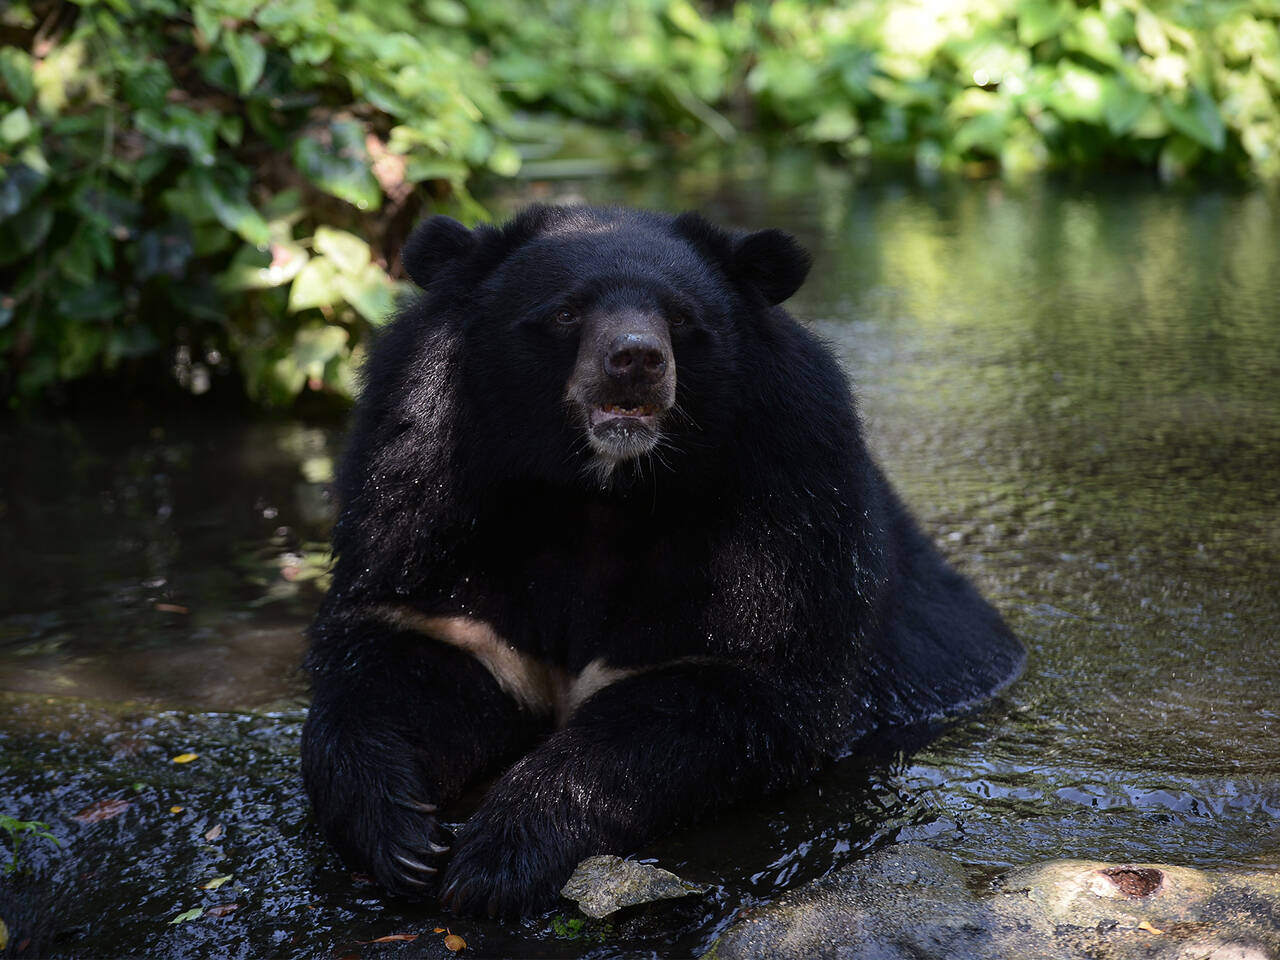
1074, 386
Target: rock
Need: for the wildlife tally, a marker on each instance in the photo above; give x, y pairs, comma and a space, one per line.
909, 902
605, 884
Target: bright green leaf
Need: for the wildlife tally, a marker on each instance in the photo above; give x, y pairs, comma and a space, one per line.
348, 252
316, 285
1041, 19
15, 126
247, 56
193, 914
370, 292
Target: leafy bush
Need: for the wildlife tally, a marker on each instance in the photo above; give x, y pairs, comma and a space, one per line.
222, 184
193, 180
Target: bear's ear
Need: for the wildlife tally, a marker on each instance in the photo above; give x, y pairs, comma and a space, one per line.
772, 262
432, 246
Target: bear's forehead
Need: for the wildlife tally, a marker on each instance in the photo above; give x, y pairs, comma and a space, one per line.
582, 248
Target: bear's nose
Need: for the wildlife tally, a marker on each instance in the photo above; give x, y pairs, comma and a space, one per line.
636, 358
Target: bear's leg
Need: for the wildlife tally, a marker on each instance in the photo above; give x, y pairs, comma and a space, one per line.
399, 723
646, 753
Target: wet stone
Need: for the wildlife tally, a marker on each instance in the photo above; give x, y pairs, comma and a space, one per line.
912, 902
604, 885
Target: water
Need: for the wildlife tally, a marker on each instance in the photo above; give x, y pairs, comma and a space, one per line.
1072, 384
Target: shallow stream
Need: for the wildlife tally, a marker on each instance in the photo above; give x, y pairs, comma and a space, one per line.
1074, 385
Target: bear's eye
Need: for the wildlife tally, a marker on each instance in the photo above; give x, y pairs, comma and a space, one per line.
677, 319
566, 317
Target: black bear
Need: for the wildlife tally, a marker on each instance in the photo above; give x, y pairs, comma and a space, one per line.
607, 509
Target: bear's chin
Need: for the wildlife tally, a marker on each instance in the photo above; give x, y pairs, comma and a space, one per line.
623, 438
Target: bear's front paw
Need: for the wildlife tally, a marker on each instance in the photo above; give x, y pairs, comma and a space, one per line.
504, 870
408, 852
371, 806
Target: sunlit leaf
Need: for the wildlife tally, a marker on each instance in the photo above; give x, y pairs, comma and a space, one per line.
185, 757
335, 160
193, 914
15, 126
1040, 19
247, 56
348, 252
316, 285
370, 292
215, 883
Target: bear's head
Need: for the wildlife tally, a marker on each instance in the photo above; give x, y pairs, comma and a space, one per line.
605, 342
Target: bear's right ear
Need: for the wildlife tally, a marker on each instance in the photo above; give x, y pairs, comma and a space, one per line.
432, 246
773, 262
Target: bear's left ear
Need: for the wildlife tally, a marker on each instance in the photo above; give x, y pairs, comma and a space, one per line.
772, 262
434, 244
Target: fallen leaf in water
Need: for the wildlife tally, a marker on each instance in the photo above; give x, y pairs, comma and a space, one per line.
215, 883
186, 915
185, 757
102, 810
171, 608
1144, 925
392, 938
439, 930
222, 909
453, 943
176, 809
214, 832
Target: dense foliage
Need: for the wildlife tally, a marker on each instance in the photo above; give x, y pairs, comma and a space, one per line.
221, 184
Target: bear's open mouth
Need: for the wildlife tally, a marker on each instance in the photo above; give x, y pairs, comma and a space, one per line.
605, 413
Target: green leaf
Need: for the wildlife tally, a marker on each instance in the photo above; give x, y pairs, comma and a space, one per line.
313, 347
23, 233
99, 301
247, 56
182, 128
208, 21
15, 126
335, 160
348, 252
193, 914
147, 85
19, 185
316, 285
1151, 36
252, 269
1122, 105
1199, 119
370, 292
227, 199
15, 72
1041, 19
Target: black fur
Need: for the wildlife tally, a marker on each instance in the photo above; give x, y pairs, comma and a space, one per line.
773, 597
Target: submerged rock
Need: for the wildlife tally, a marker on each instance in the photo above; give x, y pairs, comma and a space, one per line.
913, 902
606, 884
